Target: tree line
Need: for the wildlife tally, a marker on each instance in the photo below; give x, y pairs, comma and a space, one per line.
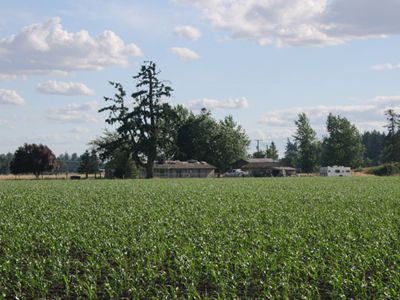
343, 144
147, 130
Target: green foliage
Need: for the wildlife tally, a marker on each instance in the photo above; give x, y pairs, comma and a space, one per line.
373, 142
122, 165
258, 154
343, 145
5, 160
219, 143
291, 157
307, 144
272, 152
68, 163
291, 238
89, 163
142, 124
391, 152
32, 158
385, 170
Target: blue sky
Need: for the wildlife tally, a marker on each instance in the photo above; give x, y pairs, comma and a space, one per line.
262, 61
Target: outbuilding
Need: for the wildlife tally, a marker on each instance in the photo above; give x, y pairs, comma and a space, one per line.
183, 169
263, 167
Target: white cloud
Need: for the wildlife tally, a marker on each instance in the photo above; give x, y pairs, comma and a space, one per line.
384, 67
64, 88
301, 22
79, 130
278, 125
10, 97
75, 113
188, 32
218, 104
184, 53
366, 116
48, 49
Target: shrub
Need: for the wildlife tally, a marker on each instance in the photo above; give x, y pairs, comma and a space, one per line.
386, 170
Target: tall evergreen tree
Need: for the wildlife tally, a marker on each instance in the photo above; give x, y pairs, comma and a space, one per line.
85, 164
373, 142
272, 152
305, 138
5, 160
291, 157
142, 125
391, 152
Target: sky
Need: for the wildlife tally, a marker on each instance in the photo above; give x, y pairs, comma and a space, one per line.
261, 61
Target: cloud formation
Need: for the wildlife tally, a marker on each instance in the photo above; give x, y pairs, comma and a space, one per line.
218, 104
367, 116
301, 22
48, 49
188, 32
64, 88
385, 67
184, 53
75, 113
10, 97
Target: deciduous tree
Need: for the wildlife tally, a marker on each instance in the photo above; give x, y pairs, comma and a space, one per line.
33, 158
343, 145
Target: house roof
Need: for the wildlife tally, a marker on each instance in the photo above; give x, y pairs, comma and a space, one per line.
260, 160
284, 168
177, 164
260, 165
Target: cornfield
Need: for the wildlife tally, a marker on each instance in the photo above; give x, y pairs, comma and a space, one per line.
261, 238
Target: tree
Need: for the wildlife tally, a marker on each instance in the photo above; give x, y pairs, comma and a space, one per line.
391, 152
307, 145
84, 166
220, 143
259, 154
231, 143
116, 158
343, 145
89, 163
32, 158
122, 165
373, 142
5, 160
291, 157
94, 162
144, 126
272, 152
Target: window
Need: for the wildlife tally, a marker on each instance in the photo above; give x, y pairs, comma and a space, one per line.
337, 171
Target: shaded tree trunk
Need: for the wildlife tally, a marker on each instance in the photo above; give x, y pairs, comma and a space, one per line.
149, 170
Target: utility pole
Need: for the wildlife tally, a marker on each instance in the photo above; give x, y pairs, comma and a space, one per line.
258, 145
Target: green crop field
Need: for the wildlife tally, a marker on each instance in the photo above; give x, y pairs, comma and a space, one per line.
229, 238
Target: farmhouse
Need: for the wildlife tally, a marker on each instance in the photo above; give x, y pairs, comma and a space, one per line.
263, 167
335, 171
183, 169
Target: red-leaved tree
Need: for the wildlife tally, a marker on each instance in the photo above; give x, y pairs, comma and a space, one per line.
32, 158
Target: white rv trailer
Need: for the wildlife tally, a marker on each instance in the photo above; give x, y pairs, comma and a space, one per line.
335, 171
